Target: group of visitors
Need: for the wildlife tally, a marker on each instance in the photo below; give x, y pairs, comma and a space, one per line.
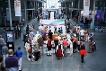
9, 60
75, 43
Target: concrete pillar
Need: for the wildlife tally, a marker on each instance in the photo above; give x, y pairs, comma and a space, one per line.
36, 5
25, 8
34, 9
79, 12
0, 14
21, 13
93, 16
10, 14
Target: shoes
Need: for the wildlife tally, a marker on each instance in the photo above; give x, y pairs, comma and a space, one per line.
48, 55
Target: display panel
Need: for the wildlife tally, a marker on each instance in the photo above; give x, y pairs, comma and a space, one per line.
10, 36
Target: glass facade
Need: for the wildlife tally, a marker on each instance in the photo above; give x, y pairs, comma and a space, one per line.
28, 8
73, 9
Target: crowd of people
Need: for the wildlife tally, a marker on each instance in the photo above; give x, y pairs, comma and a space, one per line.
75, 42
34, 43
10, 60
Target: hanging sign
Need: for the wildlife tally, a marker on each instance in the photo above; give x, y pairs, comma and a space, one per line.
86, 7
17, 7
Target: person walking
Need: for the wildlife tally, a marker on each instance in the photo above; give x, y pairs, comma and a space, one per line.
19, 54
40, 43
5, 53
82, 52
11, 61
2, 67
28, 49
1, 43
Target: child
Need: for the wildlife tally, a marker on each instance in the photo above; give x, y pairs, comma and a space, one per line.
82, 52
59, 52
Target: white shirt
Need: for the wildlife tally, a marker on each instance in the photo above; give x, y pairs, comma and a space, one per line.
41, 28
82, 32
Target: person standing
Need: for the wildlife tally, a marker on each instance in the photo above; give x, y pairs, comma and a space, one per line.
5, 53
56, 41
59, 51
28, 49
74, 44
11, 61
65, 44
19, 31
24, 37
16, 32
2, 67
50, 34
27, 29
19, 54
40, 43
82, 52
49, 46
61, 30
70, 43
1, 43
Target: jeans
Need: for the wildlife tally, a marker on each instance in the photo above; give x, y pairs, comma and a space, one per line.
4, 57
13, 69
20, 63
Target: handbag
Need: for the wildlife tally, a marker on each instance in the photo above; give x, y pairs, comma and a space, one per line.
29, 50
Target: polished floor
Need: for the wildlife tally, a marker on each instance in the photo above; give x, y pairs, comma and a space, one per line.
95, 61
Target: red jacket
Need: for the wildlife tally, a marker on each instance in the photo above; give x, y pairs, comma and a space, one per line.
65, 43
83, 52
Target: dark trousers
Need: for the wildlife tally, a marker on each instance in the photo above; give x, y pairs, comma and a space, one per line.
16, 34
1, 49
82, 58
19, 33
65, 51
94, 48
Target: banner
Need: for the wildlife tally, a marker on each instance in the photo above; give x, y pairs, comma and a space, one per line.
17, 6
86, 7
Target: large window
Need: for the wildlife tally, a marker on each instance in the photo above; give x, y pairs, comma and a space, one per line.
30, 4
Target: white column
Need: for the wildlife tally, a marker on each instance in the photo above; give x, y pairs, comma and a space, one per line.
93, 16
25, 8
10, 14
